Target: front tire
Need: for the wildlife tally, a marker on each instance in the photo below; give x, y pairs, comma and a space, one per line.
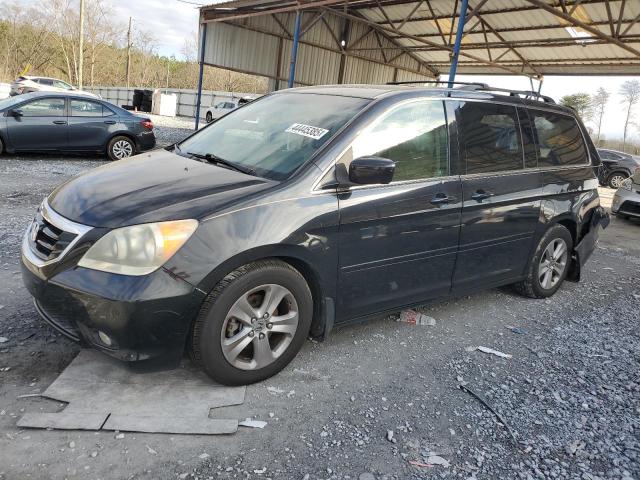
120, 147
209, 117
253, 323
615, 180
549, 265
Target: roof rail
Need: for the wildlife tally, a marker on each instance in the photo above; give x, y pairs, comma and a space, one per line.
483, 87
527, 94
418, 82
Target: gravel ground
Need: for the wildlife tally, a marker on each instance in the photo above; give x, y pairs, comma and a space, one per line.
378, 400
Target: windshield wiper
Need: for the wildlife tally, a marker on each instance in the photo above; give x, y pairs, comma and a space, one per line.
209, 157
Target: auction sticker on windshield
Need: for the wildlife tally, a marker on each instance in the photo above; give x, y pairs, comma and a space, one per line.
307, 131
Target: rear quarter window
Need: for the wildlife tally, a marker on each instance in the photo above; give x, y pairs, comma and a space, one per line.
559, 140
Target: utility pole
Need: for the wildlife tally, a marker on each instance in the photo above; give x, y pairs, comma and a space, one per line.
81, 46
128, 52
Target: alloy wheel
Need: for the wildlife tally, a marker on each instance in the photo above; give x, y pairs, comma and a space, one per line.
259, 327
616, 181
553, 263
122, 149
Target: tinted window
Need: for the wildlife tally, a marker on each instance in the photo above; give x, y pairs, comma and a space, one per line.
45, 81
83, 108
489, 137
60, 84
414, 136
278, 133
44, 107
559, 139
609, 155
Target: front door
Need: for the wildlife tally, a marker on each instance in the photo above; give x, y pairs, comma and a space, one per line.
501, 190
398, 242
42, 125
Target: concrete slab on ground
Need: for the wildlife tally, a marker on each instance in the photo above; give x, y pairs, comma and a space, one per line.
104, 394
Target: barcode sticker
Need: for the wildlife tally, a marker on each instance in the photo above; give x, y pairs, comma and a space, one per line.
307, 131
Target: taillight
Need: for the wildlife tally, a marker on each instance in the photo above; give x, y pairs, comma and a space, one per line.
146, 123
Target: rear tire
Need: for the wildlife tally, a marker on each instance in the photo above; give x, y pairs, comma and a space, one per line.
1, 147
549, 265
253, 323
209, 117
615, 180
120, 147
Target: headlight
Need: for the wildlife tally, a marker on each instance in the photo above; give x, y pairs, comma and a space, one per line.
139, 249
626, 184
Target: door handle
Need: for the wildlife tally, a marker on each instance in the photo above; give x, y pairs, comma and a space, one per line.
110, 122
480, 195
440, 198
60, 122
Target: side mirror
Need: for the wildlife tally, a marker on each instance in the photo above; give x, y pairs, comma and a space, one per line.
17, 112
371, 170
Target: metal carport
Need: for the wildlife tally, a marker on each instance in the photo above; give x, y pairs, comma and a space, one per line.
379, 41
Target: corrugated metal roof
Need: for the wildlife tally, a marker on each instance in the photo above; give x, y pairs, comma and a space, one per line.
401, 40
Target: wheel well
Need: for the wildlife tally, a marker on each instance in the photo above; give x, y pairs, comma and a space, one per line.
570, 225
317, 324
120, 134
619, 170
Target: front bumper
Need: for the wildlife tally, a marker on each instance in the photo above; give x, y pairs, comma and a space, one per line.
627, 202
144, 319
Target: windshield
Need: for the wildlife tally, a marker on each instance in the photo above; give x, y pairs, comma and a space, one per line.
277, 134
11, 101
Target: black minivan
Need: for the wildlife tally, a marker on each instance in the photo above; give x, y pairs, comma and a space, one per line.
309, 208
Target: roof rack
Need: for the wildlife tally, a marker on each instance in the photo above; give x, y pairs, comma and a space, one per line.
418, 82
483, 87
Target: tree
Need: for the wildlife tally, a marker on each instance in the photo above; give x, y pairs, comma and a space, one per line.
599, 103
630, 93
42, 39
99, 31
580, 102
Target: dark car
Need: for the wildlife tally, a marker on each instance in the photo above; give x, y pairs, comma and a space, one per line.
310, 208
68, 122
616, 166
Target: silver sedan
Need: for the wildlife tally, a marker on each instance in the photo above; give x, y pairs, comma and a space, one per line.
626, 201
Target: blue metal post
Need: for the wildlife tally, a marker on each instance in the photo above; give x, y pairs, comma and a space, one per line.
294, 49
200, 73
456, 47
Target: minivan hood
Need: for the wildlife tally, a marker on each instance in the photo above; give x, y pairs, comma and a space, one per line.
151, 187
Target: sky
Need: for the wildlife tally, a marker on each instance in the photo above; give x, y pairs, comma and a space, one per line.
169, 21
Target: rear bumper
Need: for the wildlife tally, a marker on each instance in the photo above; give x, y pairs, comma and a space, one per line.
145, 141
587, 244
145, 319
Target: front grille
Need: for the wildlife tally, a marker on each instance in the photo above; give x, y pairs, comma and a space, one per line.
630, 207
47, 240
